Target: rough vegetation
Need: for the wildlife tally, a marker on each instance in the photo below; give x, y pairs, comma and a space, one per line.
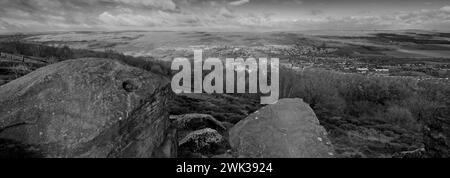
375, 116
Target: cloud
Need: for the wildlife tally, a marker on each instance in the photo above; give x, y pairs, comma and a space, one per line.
3, 25
42, 15
445, 9
129, 18
255, 20
239, 2
427, 19
159, 4
421, 19
123, 19
225, 12
317, 12
300, 2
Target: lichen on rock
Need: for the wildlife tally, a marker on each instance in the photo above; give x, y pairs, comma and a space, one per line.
201, 141
86, 108
288, 129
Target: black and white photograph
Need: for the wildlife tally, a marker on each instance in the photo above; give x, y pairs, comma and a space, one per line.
225, 80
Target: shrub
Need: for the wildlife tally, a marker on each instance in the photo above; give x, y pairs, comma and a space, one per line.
402, 117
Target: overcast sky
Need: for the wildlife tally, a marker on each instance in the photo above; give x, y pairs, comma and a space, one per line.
67, 15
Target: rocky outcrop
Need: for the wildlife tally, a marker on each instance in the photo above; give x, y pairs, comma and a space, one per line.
199, 135
169, 148
196, 122
288, 129
201, 142
418, 153
85, 108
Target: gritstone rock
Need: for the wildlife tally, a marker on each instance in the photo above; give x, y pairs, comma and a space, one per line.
288, 129
85, 108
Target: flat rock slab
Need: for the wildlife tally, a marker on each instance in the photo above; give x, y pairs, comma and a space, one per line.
288, 129
85, 108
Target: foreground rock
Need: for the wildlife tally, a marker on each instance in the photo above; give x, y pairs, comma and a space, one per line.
196, 122
169, 148
200, 142
200, 135
189, 123
288, 129
85, 108
418, 153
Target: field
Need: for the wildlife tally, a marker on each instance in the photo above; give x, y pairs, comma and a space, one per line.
141, 43
331, 50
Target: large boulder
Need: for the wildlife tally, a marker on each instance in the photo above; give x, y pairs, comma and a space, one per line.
169, 148
288, 129
85, 108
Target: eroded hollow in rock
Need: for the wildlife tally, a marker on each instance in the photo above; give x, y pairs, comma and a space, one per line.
130, 86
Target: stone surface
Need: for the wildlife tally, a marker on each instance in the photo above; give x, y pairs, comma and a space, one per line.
288, 129
194, 130
169, 148
201, 141
196, 122
84, 108
418, 153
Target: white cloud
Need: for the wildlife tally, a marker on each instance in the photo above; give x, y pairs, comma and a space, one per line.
239, 2
225, 12
299, 2
66, 14
128, 19
155, 18
2, 25
162, 4
445, 9
255, 20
